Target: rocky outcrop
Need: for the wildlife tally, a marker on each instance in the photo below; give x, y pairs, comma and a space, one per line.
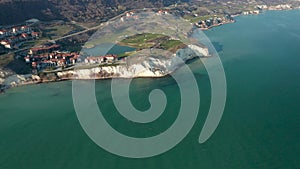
19, 80
3, 75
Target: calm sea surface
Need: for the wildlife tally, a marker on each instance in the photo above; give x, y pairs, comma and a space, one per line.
260, 128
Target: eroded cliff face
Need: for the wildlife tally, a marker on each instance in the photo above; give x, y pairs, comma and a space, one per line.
142, 64
3, 75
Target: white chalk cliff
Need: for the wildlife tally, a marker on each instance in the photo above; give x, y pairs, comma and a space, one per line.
145, 63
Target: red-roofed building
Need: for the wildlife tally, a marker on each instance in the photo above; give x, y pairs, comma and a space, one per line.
35, 34
27, 59
24, 35
3, 32
4, 42
73, 61
8, 46
61, 62
34, 64
45, 49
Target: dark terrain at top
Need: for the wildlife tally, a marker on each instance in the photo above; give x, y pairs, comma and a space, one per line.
13, 11
17, 11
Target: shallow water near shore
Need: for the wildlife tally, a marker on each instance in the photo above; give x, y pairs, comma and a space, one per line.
259, 129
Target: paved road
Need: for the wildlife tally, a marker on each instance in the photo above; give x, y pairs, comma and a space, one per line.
87, 29
102, 24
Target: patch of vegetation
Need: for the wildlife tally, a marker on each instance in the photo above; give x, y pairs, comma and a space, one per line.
149, 40
57, 29
6, 59
28, 44
172, 45
141, 41
17, 65
70, 45
126, 54
109, 64
3, 50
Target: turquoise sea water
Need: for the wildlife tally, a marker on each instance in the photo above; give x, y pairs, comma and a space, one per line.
259, 130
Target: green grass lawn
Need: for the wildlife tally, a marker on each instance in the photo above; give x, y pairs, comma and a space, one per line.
57, 31
148, 40
172, 45
141, 41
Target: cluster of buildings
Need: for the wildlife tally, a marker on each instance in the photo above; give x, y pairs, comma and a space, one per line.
163, 12
129, 15
281, 7
50, 57
11, 36
265, 7
101, 59
256, 12
262, 7
215, 21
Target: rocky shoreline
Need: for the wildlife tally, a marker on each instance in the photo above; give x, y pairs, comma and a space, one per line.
219, 24
259, 11
144, 65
